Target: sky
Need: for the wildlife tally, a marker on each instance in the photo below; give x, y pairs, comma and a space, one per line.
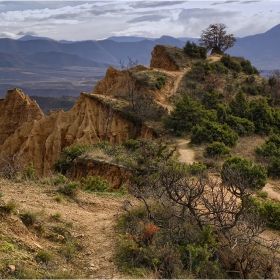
94, 20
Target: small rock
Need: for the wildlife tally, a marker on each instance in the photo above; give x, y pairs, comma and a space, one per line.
93, 269
39, 246
92, 264
60, 237
12, 268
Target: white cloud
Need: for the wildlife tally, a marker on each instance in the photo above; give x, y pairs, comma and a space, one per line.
99, 19
7, 35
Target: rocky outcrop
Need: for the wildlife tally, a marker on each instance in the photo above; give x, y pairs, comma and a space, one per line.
116, 82
90, 120
168, 58
117, 176
103, 114
15, 110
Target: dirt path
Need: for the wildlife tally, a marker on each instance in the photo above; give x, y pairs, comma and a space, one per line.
93, 218
170, 88
186, 154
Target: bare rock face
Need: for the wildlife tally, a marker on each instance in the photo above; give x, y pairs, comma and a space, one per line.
168, 58
160, 59
15, 110
116, 82
116, 175
41, 140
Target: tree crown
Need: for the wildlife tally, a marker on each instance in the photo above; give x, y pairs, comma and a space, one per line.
216, 39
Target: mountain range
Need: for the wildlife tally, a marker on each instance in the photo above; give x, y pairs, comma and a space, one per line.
36, 63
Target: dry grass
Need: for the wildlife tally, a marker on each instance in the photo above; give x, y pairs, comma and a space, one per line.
246, 145
99, 154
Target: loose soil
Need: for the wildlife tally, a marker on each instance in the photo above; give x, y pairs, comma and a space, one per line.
93, 218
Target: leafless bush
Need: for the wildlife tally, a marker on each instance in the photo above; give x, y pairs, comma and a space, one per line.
184, 206
10, 166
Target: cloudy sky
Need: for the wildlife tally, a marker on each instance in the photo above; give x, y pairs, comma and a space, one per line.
91, 20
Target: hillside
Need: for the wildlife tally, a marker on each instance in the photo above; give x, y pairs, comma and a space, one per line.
156, 165
67, 238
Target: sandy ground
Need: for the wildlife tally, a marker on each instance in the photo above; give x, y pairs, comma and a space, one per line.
93, 217
186, 154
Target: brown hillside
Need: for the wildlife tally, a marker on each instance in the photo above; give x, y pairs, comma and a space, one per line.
89, 121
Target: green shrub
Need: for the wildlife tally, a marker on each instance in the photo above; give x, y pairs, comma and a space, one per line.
217, 150
160, 82
193, 50
271, 148
70, 189
262, 194
239, 105
95, 184
69, 250
229, 62
209, 132
269, 212
273, 169
68, 154
60, 179
58, 199
211, 100
242, 173
44, 256
241, 126
261, 115
8, 207
187, 113
252, 89
29, 172
218, 68
248, 68
29, 218
197, 169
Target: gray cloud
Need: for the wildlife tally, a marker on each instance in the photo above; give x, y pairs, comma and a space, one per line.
22, 33
155, 4
249, 2
226, 2
147, 18
99, 11
187, 14
7, 35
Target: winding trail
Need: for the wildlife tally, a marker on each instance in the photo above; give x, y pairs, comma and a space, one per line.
186, 155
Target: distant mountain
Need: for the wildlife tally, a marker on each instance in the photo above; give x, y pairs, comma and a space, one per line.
128, 38
168, 40
32, 38
56, 59
43, 65
185, 39
12, 60
261, 49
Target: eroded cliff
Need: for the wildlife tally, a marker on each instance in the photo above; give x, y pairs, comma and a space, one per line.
123, 105
16, 109
169, 58
89, 121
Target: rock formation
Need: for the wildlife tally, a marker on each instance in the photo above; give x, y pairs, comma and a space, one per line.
15, 110
90, 120
116, 82
100, 115
169, 58
116, 175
